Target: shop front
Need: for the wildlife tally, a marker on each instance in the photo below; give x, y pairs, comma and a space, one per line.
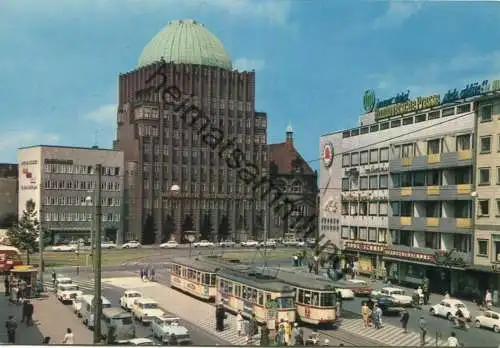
368, 257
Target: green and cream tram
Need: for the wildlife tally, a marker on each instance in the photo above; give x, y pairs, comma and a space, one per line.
315, 299
254, 293
194, 277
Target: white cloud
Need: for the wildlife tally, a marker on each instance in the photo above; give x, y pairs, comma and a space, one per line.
397, 13
105, 115
11, 141
245, 64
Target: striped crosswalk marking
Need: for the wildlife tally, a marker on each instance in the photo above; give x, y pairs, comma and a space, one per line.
389, 334
83, 284
128, 282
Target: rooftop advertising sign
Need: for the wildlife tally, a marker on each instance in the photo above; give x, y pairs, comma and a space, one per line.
420, 103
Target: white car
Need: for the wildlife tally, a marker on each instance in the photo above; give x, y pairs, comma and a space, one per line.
489, 320
270, 243
347, 294
136, 342
250, 243
133, 244
145, 309
77, 305
108, 245
165, 326
171, 244
68, 292
61, 280
447, 308
64, 248
397, 295
227, 244
128, 298
203, 244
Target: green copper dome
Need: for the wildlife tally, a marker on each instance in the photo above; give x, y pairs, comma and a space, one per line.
187, 42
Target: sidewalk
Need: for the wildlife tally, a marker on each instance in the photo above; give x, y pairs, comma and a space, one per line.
51, 318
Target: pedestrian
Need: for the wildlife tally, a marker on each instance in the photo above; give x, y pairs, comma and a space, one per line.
254, 326
13, 293
142, 273
219, 318
488, 301
239, 323
68, 337
309, 265
11, 327
46, 340
297, 335
366, 312
377, 317
280, 336
422, 323
452, 340
264, 336
405, 317
153, 274
288, 333
54, 278
6, 284
19, 296
24, 311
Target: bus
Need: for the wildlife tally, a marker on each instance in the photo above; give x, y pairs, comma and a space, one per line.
252, 292
315, 299
194, 277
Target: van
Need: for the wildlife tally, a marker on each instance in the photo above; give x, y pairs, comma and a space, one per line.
87, 309
120, 320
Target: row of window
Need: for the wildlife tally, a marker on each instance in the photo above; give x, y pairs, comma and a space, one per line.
432, 240
370, 234
78, 216
366, 157
433, 115
483, 248
180, 154
433, 147
80, 185
485, 176
80, 169
315, 298
193, 275
203, 204
434, 177
364, 208
451, 209
202, 172
204, 188
330, 224
372, 182
80, 200
485, 208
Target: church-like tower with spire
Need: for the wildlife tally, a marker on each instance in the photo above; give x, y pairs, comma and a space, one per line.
297, 180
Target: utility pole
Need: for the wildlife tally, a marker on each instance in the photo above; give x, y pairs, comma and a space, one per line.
41, 245
97, 260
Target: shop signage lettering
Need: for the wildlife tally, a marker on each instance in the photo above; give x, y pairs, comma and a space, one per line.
398, 99
29, 163
410, 255
29, 187
376, 170
417, 104
365, 246
57, 161
471, 90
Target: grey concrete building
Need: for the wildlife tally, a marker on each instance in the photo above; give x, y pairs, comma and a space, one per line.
8, 193
62, 182
162, 150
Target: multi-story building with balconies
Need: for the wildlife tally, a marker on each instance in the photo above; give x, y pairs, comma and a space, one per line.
62, 182
397, 190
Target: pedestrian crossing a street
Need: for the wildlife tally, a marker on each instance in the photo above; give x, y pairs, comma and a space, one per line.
388, 335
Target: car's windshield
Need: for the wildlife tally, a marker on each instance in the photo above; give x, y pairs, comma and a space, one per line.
65, 281
397, 292
134, 295
106, 305
459, 305
149, 305
285, 302
69, 288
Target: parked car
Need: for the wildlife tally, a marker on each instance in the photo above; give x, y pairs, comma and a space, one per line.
204, 244
270, 243
67, 292
136, 342
128, 298
361, 287
447, 308
133, 244
63, 248
145, 309
388, 306
108, 245
489, 320
171, 244
250, 244
165, 326
397, 295
227, 244
60, 280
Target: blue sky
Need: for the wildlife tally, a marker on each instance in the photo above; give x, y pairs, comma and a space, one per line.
61, 59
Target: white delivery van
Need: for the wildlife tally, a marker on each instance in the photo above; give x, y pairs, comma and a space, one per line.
120, 320
87, 309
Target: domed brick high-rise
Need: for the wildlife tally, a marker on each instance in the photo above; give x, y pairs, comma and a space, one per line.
162, 151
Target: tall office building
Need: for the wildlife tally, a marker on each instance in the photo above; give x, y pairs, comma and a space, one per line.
161, 151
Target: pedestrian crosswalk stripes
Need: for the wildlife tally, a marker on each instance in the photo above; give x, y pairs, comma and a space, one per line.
389, 334
83, 284
128, 282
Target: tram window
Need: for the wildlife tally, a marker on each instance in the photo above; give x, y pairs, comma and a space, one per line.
212, 280
315, 299
237, 290
285, 302
307, 297
206, 279
244, 292
183, 272
254, 296
261, 298
198, 277
327, 299
230, 287
268, 297
221, 284
301, 296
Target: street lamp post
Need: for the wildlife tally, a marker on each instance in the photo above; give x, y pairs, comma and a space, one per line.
190, 237
89, 257
40, 248
175, 189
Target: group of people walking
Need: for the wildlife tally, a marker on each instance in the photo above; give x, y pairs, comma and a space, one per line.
147, 274
371, 314
16, 289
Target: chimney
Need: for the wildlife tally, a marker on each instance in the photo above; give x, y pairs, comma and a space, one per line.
289, 136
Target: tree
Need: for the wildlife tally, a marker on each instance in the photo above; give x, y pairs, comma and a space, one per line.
24, 234
168, 228
149, 230
206, 228
187, 225
223, 232
8, 220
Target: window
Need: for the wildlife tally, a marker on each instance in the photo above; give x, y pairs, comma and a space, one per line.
396, 180
372, 234
395, 123
419, 178
432, 240
484, 207
498, 207
433, 178
363, 233
420, 118
382, 209
448, 112
344, 208
346, 160
395, 209
382, 235
407, 121
355, 159
463, 108
482, 247
384, 126
374, 156
484, 176
396, 151
353, 233
373, 182
345, 184
345, 232
407, 151
363, 183
355, 132
364, 157
363, 207
365, 130
485, 113
384, 154
383, 181
498, 175
463, 142
485, 145
374, 128
354, 209
433, 115
433, 146
373, 209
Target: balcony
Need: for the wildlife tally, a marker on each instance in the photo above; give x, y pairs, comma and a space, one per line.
433, 161
431, 193
436, 224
